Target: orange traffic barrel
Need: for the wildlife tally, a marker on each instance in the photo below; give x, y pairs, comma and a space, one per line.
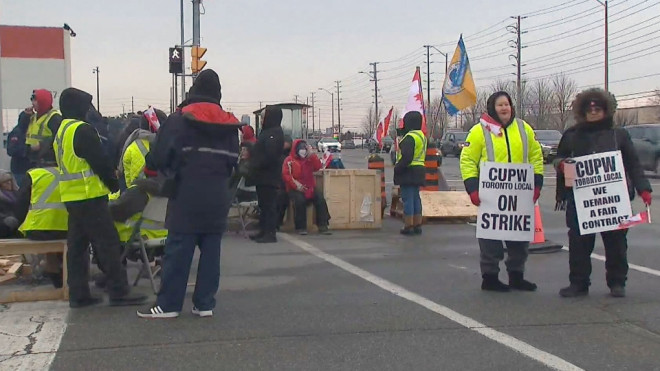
431, 166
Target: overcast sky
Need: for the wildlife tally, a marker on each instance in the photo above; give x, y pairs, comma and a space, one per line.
269, 51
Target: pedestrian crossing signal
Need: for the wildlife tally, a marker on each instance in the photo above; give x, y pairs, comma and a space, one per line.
197, 64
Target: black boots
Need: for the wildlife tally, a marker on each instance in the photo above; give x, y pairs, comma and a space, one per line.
418, 220
574, 290
256, 236
408, 228
266, 238
492, 283
517, 282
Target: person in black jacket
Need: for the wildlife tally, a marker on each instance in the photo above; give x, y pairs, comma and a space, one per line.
595, 133
18, 150
197, 149
267, 173
409, 172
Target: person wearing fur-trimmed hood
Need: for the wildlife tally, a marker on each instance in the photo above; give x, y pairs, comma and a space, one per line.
594, 132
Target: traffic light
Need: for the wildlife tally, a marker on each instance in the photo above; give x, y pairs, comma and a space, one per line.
197, 64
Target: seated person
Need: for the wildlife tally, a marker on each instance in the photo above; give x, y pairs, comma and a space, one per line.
43, 216
282, 195
332, 161
298, 175
242, 171
8, 197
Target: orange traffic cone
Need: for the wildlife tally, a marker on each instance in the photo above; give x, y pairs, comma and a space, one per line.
540, 244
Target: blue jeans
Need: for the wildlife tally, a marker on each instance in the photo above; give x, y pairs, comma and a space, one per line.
179, 251
412, 203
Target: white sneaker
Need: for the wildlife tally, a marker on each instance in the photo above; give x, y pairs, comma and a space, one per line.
156, 312
202, 313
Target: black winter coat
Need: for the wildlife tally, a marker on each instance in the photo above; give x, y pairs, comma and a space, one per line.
16, 147
405, 175
585, 139
265, 158
198, 149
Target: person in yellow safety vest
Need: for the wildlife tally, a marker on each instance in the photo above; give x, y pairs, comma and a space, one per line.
409, 172
501, 138
137, 145
42, 215
86, 179
44, 123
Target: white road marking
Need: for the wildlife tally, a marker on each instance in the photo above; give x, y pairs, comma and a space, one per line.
636, 267
457, 266
30, 334
514, 344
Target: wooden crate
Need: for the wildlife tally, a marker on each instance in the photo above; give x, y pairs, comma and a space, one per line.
439, 206
346, 191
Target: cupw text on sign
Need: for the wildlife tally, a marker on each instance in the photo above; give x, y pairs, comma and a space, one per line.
507, 207
601, 192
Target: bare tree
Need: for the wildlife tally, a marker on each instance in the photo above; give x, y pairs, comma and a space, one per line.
394, 122
510, 88
539, 104
626, 117
473, 114
563, 89
435, 120
370, 122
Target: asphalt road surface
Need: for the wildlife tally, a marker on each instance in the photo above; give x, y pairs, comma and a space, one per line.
366, 300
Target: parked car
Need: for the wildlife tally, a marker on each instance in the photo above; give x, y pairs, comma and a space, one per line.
452, 143
348, 144
647, 144
331, 144
549, 140
374, 146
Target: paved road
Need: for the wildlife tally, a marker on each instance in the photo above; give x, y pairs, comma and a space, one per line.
365, 300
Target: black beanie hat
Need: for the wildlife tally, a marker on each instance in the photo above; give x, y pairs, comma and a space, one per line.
75, 103
272, 117
207, 84
412, 121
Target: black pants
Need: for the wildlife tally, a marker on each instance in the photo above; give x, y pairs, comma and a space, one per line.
581, 247
300, 209
282, 204
267, 198
90, 222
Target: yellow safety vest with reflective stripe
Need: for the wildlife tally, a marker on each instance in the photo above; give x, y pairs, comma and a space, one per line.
149, 229
134, 160
47, 212
77, 180
419, 156
516, 144
38, 129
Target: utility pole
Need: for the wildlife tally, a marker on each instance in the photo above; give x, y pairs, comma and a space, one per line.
306, 136
428, 76
132, 104
332, 107
196, 28
295, 96
183, 55
313, 115
338, 109
607, 47
98, 99
517, 45
375, 76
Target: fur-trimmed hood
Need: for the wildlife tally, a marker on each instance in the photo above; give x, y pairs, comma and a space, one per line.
583, 99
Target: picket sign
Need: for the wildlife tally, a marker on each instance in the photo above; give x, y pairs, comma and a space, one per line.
601, 192
506, 212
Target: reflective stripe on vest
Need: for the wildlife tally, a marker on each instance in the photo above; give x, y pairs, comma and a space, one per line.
42, 203
38, 126
46, 212
143, 150
490, 148
77, 180
419, 155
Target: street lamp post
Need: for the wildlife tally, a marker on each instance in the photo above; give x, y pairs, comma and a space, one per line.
98, 99
332, 105
607, 48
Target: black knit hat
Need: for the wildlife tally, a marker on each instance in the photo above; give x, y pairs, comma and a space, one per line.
75, 103
207, 84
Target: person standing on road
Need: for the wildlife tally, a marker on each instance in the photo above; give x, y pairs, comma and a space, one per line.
267, 173
595, 133
409, 172
507, 141
44, 123
197, 148
86, 179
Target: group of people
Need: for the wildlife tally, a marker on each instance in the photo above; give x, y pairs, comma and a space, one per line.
513, 141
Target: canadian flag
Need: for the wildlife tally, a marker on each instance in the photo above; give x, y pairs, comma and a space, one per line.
383, 127
150, 115
641, 218
490, 124
415, 100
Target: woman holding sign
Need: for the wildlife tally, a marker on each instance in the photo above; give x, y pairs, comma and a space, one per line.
594, 133
501, 138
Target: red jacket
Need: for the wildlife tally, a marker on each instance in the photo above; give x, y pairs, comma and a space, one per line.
300, 170
248, 134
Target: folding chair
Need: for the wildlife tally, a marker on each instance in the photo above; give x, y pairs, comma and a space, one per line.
244, 207
153, 216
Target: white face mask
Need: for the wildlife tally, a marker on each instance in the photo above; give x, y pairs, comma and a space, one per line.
302, 153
